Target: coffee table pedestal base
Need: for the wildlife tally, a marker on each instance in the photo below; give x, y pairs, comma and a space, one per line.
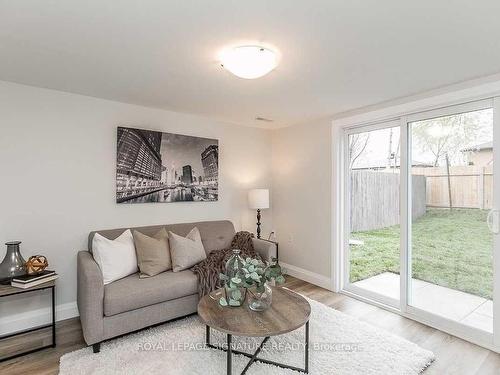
254, 357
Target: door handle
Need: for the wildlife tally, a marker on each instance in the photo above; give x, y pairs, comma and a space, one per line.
493, 221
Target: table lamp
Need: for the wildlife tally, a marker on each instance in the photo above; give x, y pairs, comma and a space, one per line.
258, 199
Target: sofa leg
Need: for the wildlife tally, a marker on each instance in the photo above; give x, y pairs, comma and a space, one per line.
96, 347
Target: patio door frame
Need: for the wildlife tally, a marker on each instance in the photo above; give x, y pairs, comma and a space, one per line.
403, 306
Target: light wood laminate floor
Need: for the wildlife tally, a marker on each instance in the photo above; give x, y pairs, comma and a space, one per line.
454, 356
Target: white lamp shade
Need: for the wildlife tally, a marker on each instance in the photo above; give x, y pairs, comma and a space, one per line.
258, 198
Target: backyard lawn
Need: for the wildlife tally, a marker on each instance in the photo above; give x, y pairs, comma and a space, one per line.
451, 248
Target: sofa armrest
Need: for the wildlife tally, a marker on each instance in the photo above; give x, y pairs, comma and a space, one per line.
266, 249
90, 297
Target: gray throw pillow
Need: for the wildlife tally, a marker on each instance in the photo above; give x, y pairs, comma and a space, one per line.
153, 253
186, 251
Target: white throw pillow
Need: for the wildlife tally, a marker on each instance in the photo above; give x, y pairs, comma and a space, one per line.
186, 251
116, 258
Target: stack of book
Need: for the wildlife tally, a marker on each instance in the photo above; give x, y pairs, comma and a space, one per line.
28, 281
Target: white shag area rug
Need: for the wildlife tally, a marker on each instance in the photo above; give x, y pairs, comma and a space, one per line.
339, 344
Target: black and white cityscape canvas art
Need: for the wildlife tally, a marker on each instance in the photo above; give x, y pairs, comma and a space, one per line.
161, 167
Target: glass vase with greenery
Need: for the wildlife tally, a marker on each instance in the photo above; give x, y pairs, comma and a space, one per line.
233, 278
254, 276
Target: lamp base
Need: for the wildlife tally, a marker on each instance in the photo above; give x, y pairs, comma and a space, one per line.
258, 223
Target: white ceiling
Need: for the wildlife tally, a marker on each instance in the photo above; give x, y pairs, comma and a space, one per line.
336, 55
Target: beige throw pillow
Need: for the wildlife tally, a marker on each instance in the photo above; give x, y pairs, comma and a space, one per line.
186, 251
153, 253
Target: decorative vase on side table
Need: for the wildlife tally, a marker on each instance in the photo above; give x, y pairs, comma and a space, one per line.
13, 264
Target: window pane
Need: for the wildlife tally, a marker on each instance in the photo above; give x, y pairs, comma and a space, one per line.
452, 186
374, 180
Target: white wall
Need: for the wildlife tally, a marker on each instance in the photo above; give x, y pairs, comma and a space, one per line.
57, 162
302, 172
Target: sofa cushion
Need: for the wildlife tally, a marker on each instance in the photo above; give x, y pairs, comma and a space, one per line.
186, 251
116, 258
132, 292
153, 253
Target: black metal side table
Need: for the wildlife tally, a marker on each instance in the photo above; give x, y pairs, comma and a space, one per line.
7, 290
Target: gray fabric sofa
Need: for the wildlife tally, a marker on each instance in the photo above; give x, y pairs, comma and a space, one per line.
131, 303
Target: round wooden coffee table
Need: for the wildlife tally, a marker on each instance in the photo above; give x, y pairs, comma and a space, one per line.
288, 312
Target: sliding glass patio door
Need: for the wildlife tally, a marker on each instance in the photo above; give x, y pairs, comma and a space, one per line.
420, 217
450, 252
372, 184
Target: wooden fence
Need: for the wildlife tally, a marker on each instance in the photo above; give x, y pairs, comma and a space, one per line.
471, 186
375, 199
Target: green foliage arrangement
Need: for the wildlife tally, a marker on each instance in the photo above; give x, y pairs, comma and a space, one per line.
252, 274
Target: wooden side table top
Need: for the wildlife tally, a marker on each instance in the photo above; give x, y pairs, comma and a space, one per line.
288, 312
7, 290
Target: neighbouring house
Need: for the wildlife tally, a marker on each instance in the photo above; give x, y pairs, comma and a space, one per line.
479, 155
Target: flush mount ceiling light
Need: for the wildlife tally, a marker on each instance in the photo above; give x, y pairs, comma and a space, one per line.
259, 118
249, 62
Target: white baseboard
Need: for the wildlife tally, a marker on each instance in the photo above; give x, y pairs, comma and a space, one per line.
38, 317
310, 277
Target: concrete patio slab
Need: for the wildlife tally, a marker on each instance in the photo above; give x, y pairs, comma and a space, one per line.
479, 321
386, 283
486, 309
452, 304
446, 302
